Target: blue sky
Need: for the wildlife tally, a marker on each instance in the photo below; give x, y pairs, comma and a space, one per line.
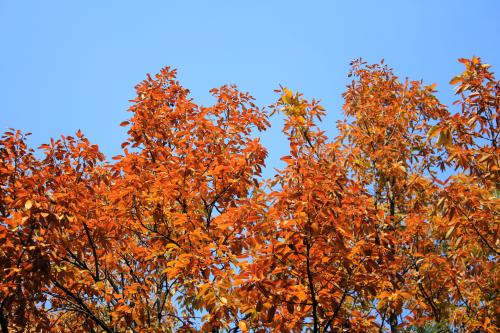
69, 65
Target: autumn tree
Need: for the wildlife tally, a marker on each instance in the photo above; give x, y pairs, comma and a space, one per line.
185, 190
389, 226
466, 214
315, 266
390, 156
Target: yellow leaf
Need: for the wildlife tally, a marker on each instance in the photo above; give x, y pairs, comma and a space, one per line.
28, 204
243, 326
455, 80
445, 138
450, 231
484, 158
287, 96
433, 131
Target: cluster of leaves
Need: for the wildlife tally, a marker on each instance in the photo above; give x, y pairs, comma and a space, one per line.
357, 233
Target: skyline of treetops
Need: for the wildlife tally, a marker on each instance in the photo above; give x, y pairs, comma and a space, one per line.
388, 225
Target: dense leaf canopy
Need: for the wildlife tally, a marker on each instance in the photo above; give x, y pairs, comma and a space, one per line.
392, 226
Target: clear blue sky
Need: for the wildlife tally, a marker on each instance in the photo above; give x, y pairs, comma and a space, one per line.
69, 65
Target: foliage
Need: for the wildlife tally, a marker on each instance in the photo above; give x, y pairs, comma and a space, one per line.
357, 233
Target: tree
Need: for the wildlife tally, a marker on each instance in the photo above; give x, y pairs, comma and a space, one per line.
392, 225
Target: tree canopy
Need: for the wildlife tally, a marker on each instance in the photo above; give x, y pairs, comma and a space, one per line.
390, 226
